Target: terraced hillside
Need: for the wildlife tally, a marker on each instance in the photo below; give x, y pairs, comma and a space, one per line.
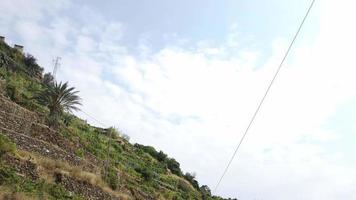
75, 160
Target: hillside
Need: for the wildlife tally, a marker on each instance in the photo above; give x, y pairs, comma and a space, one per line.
73, 160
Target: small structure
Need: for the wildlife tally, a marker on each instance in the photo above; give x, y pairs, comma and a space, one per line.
19, 47
2, 38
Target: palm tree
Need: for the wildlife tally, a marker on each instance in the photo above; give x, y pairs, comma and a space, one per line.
59, 98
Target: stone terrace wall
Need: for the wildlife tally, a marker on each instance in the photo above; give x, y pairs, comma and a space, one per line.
21, 125
83, 188
10, 107
24, 167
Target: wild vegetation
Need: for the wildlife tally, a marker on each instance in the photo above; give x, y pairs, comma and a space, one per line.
123, 170
58, 98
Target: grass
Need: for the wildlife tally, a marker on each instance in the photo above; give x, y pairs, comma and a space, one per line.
145, 169
47, 167
21, 187
6, 194
6, 146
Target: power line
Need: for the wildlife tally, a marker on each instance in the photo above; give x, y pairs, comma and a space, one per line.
264, 96
93, 118
109, 144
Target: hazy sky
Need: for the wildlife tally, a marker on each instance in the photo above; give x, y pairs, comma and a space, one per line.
185, 77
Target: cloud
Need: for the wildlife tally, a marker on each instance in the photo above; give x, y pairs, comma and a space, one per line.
194, 100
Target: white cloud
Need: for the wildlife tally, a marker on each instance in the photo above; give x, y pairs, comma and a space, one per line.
194, 103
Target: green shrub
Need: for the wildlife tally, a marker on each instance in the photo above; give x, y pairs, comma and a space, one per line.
67, 118
48, 79
146, 173
184, 186
191, 178
79, 152
32, 67
111, 178
205, 191
161, 156
174, 166
2, 86
13, 92
148, 149
6, 146
38, 188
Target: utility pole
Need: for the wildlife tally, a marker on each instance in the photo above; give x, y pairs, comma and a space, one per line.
56, 64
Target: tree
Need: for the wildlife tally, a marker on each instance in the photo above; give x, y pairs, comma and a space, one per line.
59, 98
34, 69
48, 79
205, 190
174, 166
161, 156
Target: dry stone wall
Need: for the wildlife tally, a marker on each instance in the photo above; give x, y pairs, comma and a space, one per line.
10, 107
24, 167
83, 188
22, 127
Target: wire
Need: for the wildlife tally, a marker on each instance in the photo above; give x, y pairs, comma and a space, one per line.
107, 161
264, 96
92, 118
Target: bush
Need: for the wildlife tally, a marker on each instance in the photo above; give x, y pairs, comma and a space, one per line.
14, 94
174, 166
32, 67
48, 79
79, 152
184, 186
161, 156
148, 149
146, 173
191, 178
111, 178
2, 86
205, 191
6, 146
34, 188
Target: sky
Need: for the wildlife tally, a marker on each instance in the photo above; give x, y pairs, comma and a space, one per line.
186, 76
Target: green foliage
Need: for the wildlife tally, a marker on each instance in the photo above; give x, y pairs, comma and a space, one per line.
111, 178
32, 67
79, 152
146, 173
174, 166
110, 132
148, 149
37, 188
6, 146
205, 191
171, 163
21, 89
48, 79
67, 118
191, 178
59, 98
161, 157
184, 186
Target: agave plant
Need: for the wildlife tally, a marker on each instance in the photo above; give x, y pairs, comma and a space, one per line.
59, 98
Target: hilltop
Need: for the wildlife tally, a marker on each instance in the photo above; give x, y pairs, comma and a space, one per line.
71, 159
